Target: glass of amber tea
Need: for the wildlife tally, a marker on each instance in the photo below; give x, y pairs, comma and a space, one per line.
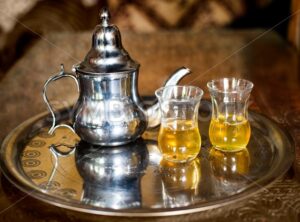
179, 138
229, 128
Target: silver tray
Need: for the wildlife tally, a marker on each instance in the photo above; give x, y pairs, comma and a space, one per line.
131, 180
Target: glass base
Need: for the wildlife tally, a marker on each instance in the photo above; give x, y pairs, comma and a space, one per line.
235, 149
175, 159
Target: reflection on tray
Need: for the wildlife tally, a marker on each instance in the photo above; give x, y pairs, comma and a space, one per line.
229, 170
112, 175
180, 182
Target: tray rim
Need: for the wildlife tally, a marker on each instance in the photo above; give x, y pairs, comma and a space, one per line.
30, 190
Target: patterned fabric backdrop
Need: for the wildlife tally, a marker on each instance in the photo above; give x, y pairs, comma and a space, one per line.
151, 15
144, 15
22, 21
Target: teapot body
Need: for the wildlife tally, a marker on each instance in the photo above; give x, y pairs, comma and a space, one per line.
108, 111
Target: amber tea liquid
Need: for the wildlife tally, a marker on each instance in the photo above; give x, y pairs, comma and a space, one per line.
179, 140
229, 134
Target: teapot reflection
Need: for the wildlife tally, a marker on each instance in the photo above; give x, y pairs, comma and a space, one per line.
112, 176
180, 182
229, 170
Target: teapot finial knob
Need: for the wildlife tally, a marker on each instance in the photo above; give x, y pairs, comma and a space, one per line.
104, 16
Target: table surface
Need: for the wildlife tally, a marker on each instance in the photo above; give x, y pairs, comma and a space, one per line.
263, 57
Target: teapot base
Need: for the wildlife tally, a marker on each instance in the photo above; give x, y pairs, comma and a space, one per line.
109, 144
98, 136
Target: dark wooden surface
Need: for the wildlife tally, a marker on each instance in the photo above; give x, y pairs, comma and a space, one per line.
257, 55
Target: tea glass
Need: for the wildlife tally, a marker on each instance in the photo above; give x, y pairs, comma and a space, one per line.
229, 127
179, 139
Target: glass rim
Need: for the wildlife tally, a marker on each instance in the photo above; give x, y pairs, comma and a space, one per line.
199, 91
249, 85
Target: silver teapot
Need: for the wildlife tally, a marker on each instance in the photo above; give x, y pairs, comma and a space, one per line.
109, 110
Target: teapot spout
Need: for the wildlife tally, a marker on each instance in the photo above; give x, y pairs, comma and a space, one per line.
153, 112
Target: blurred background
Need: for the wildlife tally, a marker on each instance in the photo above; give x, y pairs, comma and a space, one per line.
22, 22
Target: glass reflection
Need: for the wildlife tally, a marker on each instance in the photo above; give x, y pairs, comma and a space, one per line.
112, 175
180, 182
229, 170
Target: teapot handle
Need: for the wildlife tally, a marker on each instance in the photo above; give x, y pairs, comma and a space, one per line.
61, 74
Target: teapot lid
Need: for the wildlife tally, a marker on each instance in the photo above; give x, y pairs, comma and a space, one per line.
107, 54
